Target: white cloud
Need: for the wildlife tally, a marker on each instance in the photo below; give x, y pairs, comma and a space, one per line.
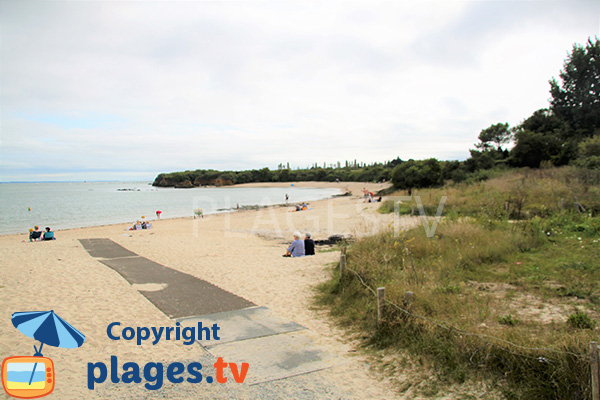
146, 87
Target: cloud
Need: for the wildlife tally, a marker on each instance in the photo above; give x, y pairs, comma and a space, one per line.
148, 87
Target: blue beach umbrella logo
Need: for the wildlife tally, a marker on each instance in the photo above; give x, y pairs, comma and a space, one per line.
32, 377
48, 328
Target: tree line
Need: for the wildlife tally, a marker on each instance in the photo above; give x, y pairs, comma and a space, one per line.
350, 172
565, 133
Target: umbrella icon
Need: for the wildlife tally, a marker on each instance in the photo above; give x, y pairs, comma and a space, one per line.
48, 328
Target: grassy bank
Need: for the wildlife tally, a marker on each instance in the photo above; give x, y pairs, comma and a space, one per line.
508, 286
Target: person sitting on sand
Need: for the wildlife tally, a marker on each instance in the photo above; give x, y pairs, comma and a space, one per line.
35, 235
136, 226
309, 245
48, 235
296, 249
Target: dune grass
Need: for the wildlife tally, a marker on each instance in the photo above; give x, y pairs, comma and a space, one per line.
508, 291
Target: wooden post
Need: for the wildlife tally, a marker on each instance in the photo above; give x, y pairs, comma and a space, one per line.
380, 299
344, 250
342, 264
562, 204
595, 370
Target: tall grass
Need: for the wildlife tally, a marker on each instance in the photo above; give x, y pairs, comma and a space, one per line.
492, 294
517, 194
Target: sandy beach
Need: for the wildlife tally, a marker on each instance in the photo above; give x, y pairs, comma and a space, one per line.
240, 252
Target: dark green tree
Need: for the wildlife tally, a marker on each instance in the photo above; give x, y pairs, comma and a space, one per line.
589, 153
543, 120
497, 134
542, 137
534, 147
393, 163
284, 175
576, 98
243, 177
453, 170
482, 160
417, 174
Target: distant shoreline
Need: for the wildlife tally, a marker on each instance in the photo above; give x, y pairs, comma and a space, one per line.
55, 223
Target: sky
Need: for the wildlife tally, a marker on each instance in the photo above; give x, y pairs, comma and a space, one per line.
124, 90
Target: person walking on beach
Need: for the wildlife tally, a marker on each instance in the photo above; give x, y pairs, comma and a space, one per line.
286, 198
296, 249
158, 214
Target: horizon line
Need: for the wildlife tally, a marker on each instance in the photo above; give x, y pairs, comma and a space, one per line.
77, 181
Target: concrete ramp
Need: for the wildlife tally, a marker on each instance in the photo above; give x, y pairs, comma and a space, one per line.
277, 357
275, 347
105, 248
249, 323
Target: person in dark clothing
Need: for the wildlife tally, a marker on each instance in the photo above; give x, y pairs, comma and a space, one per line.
309, 245
35, 235
48, 235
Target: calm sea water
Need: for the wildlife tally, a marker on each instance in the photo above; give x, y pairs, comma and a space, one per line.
78, 204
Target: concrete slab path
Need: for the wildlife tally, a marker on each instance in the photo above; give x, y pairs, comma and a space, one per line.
179, 294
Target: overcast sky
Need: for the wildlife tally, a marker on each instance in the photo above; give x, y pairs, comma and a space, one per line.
102, 90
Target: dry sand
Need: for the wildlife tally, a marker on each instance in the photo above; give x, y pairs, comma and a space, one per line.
240, 252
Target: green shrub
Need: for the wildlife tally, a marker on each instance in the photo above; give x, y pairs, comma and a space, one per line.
581, 320
508, 320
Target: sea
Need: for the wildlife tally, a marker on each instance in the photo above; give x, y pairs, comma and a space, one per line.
64, 205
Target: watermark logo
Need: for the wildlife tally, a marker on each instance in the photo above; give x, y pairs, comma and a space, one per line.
155, 373
269, 221
26, 377
429, 229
